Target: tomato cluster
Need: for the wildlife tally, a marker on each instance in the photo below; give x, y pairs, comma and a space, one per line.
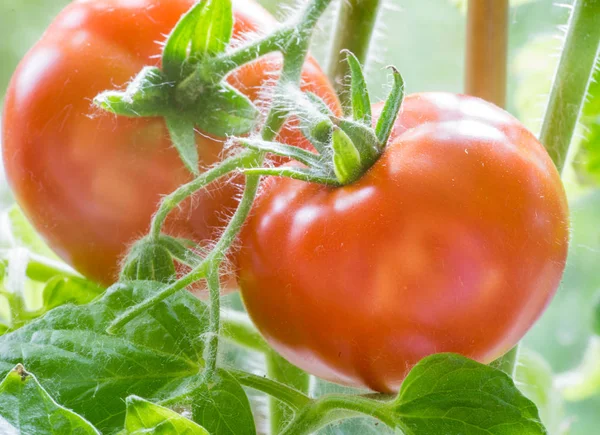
453, 241
90, 181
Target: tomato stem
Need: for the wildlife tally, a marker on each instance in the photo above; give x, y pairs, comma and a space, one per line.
571, 81
171, 201
355, 24
282, 371
212, 339
320, 413
287, 395
486, 52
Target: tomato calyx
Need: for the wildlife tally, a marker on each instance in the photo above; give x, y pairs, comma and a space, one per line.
154, 258
345, 147
176, 93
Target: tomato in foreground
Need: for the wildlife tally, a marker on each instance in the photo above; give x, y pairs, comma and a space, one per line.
89, 181
454, 241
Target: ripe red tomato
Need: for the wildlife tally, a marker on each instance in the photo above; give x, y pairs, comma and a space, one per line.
89, 181
454, 241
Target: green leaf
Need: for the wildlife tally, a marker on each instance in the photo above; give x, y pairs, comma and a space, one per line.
451, 394
148, 94
388, 116
175, 52
224, 111
92, 372
183, 137
346, 158
222, 407
144, 417
25, 235
29, 409
62, 290
213, 28
361, 103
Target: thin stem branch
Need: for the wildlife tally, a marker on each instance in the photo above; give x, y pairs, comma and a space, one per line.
486, 52
355, 24
326, 410
169, 202
287, 395
281, 370
571, 80
119, 323
212, 340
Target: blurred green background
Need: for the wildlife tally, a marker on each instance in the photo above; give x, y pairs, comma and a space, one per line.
425, 40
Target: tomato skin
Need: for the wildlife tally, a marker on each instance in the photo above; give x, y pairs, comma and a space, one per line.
454, 241
90, 181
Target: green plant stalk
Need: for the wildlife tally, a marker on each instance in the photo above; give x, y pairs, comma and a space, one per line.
290, 396
212, 340
119, 323
326, 410
220, 66
355, 24
171, 201
571, 81
288, 374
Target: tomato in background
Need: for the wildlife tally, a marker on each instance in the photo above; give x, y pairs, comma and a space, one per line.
454, 241
89, 181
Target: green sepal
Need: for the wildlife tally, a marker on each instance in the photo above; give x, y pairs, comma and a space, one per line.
292, 152
313, 115
388, 116
303, 174
175, 52
346, 158
213, 30
364, 139
148, 260
223, 111
147, 95
183, 137
361, 103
